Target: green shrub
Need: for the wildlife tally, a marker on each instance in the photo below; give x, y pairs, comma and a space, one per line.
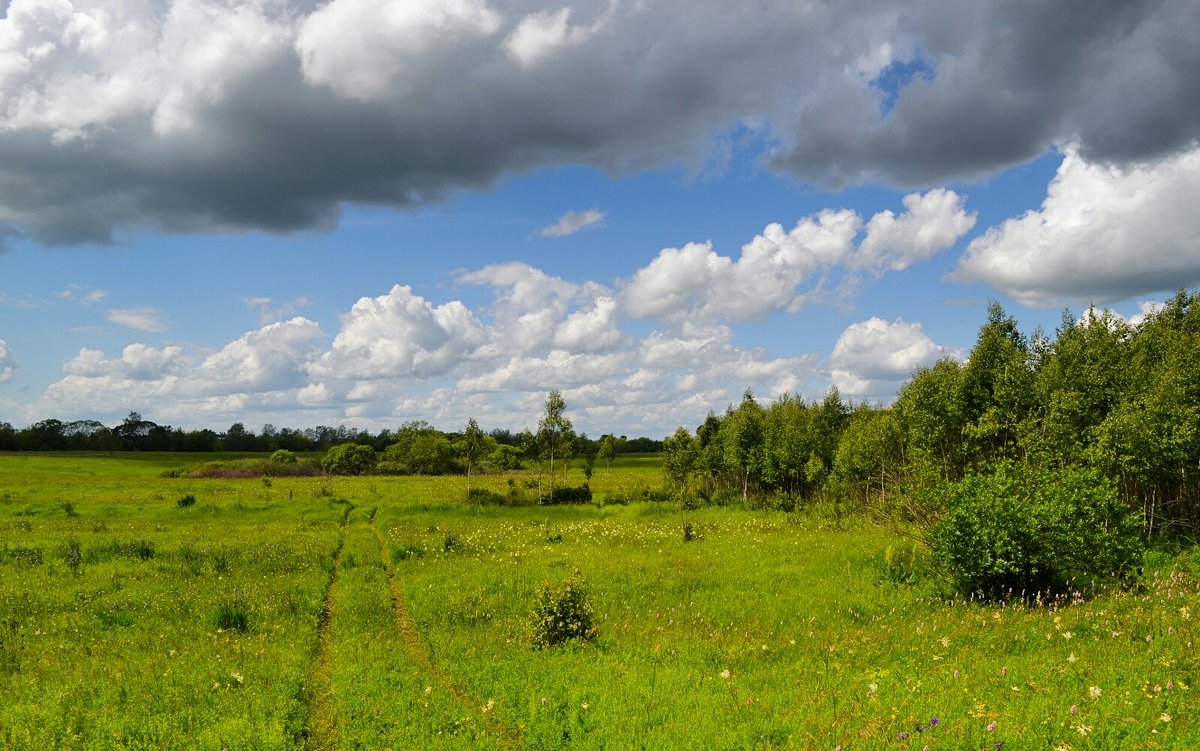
566, 495
1020, 531
562, 613
186, 501
283, 456
349, 459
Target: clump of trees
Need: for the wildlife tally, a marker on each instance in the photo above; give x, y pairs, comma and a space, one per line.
1102, 404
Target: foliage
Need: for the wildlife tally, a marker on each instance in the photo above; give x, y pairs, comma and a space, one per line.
283, 456
349, 459
185, 501
555, 437
566, 495
1017, 531
561, 613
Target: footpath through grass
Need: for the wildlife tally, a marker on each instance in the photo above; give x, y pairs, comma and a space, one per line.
383, 613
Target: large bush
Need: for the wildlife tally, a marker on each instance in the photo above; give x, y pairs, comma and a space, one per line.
1018, 531
349, 459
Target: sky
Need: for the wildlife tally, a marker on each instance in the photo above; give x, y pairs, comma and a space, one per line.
368, 212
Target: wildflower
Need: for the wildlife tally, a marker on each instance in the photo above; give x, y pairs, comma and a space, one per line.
489, 706
236, 677
725, 674
585, 706
991, 726
1083, 729
543, 701
933, 721
1072, 657
1074, 709
1094, 692
1164, 717
902, 735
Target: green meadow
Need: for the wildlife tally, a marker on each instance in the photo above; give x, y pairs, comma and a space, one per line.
388, 613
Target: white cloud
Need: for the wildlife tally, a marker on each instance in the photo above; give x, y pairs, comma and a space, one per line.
8, 365
784, 270
366, 49
557, 369
932, 223
872, 357
139, 319
401, 334
1104, 233
534, 312
1146, 308
273, 358
573, 221
83, 295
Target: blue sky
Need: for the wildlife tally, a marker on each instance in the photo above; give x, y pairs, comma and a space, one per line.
374, 212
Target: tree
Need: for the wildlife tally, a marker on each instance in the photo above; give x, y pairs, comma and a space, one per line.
473, 448
870, 451
555, 436
608, 450
742, 440
679, 457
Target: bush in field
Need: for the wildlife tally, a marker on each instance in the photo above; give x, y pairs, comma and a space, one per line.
349, 459
186, 501
283, 456
561, 613
1019, 531
566, 495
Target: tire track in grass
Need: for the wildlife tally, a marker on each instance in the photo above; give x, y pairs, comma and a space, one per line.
506, 736
320, 730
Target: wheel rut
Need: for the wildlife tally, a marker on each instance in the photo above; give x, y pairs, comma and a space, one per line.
506, 736
320, 731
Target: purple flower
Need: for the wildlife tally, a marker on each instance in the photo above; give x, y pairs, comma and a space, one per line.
933, 721
902, 735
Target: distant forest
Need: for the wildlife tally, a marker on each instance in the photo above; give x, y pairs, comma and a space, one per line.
137, 434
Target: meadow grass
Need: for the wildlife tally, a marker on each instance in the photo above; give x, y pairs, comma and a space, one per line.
386, 613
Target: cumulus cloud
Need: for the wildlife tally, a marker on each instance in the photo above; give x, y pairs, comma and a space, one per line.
931, 223
273, 358
872, 357
784, 269
401, 334
139, 319
1104, 233
573, 221
8, 365
201, 115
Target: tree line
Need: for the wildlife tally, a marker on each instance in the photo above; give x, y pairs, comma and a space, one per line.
1100, 393
135, 433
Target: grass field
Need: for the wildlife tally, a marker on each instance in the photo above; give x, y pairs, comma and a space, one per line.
385, 613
